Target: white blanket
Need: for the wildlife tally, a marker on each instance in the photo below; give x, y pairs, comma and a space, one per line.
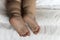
47, 16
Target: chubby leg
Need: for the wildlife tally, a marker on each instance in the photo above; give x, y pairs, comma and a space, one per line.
28, 10
15, 18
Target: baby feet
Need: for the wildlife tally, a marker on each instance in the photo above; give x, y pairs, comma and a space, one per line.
19, 24
18, 21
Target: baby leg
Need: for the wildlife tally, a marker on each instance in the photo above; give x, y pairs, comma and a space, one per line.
15, 18
28, 10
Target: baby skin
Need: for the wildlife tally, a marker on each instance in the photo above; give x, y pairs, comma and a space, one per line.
21, 15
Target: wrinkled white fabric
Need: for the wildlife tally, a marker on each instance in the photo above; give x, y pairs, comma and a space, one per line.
47, 16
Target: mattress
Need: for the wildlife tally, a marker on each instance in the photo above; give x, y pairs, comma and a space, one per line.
47, 16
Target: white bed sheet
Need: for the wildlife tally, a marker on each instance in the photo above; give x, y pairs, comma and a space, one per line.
47, 16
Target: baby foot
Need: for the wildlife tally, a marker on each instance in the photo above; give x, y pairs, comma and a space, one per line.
20, 26
32, 24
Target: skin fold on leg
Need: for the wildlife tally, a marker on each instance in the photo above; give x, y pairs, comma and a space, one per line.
28, 14
15, 18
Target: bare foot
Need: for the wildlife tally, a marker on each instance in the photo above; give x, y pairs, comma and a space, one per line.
32, 24
20, 26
